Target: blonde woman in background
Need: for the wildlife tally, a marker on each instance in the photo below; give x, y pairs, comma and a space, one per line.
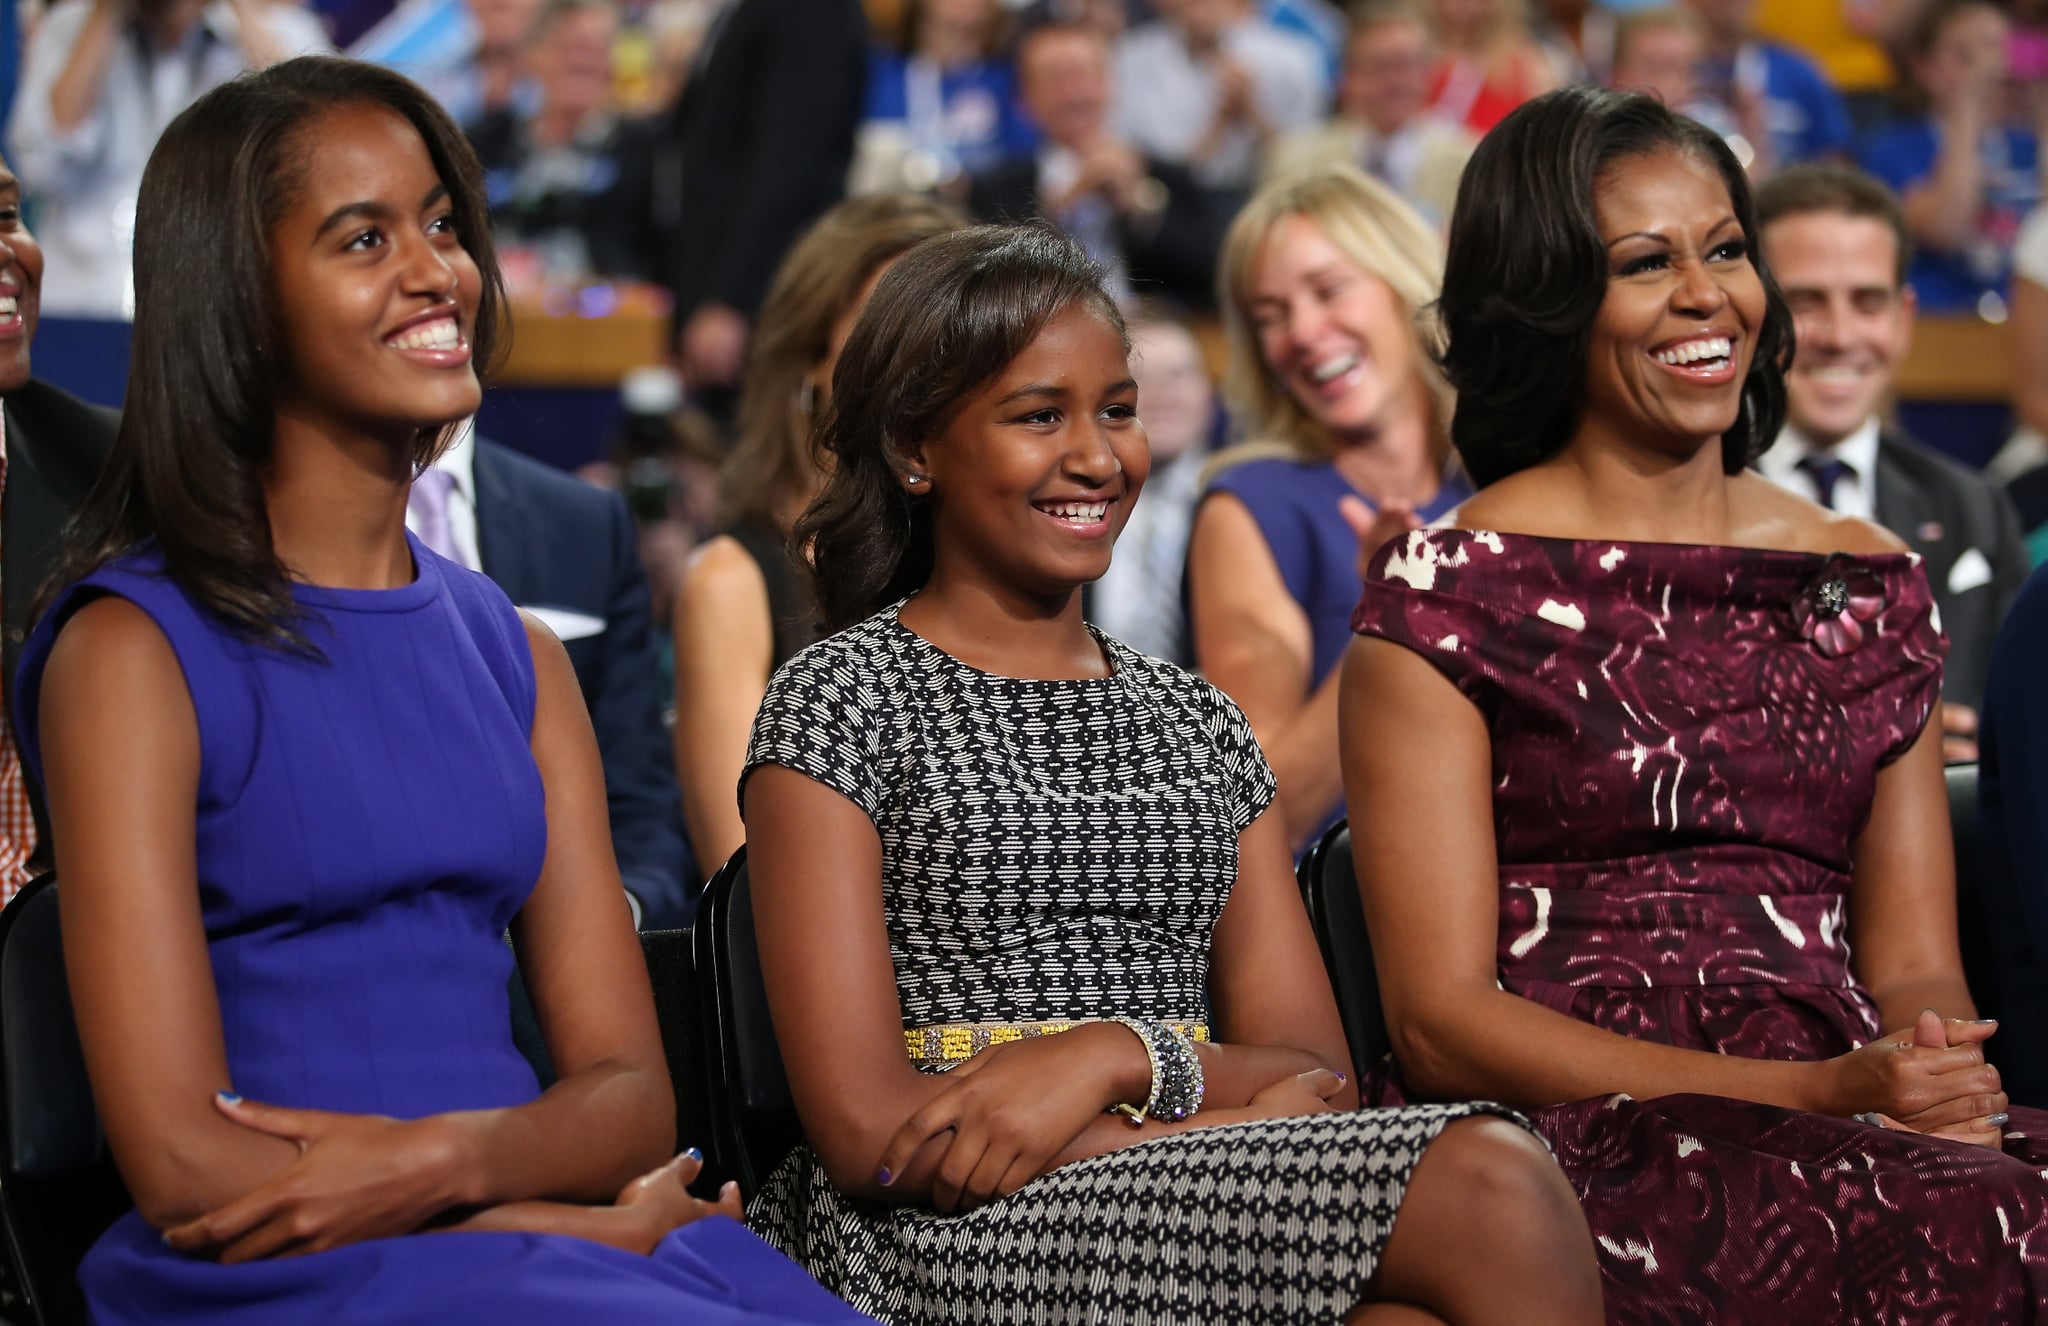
744, 606
1325, 276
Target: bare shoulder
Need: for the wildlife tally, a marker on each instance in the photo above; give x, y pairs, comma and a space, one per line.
1515, 503
109, 636
721, 576
1768, 516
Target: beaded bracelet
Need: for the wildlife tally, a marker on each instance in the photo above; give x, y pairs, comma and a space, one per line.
1176, 1073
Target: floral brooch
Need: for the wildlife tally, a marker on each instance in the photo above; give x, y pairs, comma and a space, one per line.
1832, 609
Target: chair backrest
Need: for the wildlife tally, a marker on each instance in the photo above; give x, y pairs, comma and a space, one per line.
679, 1008
59, 1189
1329, 889
753, 1115
1973, 926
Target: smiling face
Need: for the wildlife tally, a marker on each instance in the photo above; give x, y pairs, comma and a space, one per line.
1335, 334
1386, 73
376, 295
1854, 319
1035, 474
21, 284
1672, 342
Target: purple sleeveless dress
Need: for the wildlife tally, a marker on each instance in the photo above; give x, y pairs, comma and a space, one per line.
1686, 743
368, 825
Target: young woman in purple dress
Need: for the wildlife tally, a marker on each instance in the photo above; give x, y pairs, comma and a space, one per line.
1649, 826
304, 774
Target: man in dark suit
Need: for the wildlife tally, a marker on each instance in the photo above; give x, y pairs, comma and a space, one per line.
1149, 224
55, 447
759, 145
1838, 246
567, 553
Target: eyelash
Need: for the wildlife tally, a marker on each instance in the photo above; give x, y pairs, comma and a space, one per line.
1050, 416
440, 225
1731, 251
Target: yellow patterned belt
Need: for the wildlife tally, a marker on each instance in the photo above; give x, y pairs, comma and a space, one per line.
956, 1042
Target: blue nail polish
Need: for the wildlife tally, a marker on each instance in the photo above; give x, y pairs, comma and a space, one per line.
228, 1097
694, 1154
1340, 1079
885, 1177
1998, 1120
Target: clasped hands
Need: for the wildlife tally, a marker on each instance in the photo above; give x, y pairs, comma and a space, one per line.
360, 1177
1004, 1116
1930, 1079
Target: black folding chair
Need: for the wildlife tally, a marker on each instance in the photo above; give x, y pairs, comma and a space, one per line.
1329, 889
59, 1189
1973, 926
753, 1118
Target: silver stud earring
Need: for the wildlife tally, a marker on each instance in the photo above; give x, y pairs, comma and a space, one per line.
914, 480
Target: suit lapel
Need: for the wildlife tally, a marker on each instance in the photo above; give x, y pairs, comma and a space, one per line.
1902, 507
500, 512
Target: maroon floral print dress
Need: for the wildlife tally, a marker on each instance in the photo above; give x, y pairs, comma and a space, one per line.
1686, 743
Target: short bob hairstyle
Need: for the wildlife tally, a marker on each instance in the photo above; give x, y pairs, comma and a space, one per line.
773, 467
209, 347
1527, 273
1373, 227
943, 323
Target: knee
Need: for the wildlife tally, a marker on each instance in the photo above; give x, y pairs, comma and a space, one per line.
1498, 1182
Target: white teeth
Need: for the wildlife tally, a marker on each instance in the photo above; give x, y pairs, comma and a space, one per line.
1082, 512
1333, 369
440, 334
1692, 352
8, 306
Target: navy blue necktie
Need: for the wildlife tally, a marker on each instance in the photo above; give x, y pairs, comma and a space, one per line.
1827, 473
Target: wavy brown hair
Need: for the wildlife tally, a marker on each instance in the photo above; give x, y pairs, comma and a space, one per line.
209, 348
774, 464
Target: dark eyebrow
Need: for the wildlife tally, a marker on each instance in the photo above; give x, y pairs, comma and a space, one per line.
370, 211
1035, 389
1726, 220
1119, 388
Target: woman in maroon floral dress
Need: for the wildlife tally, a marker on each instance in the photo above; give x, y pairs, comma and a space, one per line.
1649, 837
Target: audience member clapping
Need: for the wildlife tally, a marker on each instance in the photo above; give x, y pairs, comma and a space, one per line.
1138, 600
744, 607
1647, 814
1327, 280
570, 184
305, 773
1966, 175
941, 103
1211, 83
1383, 124
1659, 51
1150, 223
1776, 97
100, 80
1491, 63
1040, 972
1835, 240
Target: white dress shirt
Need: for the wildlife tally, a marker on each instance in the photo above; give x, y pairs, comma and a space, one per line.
1855, 492
1166, 98
83, 180
459, 462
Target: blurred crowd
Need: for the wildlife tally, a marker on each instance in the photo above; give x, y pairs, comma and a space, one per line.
687, 149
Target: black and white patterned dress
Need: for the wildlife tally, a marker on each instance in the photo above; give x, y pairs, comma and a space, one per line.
1057, 850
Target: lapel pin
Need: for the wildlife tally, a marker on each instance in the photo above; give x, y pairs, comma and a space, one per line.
1930, 531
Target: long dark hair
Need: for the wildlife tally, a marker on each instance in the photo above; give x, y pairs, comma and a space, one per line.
187, 465
942, 323
1527, 272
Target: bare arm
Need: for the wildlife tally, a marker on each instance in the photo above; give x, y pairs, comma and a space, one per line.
121, 746
1942, 209
76, 93
725, 641
1253, 641
816, 869
1418, 766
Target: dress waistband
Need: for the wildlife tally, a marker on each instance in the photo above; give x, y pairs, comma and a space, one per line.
1642, 939
956, 1042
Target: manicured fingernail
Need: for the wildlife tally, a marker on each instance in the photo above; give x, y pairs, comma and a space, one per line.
694, 1154
1998, 1120
1983, 1022
885, 1178
1341, 1078
228, 1098
1870, 1119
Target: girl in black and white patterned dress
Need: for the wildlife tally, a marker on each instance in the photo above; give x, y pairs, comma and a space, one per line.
974, 823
